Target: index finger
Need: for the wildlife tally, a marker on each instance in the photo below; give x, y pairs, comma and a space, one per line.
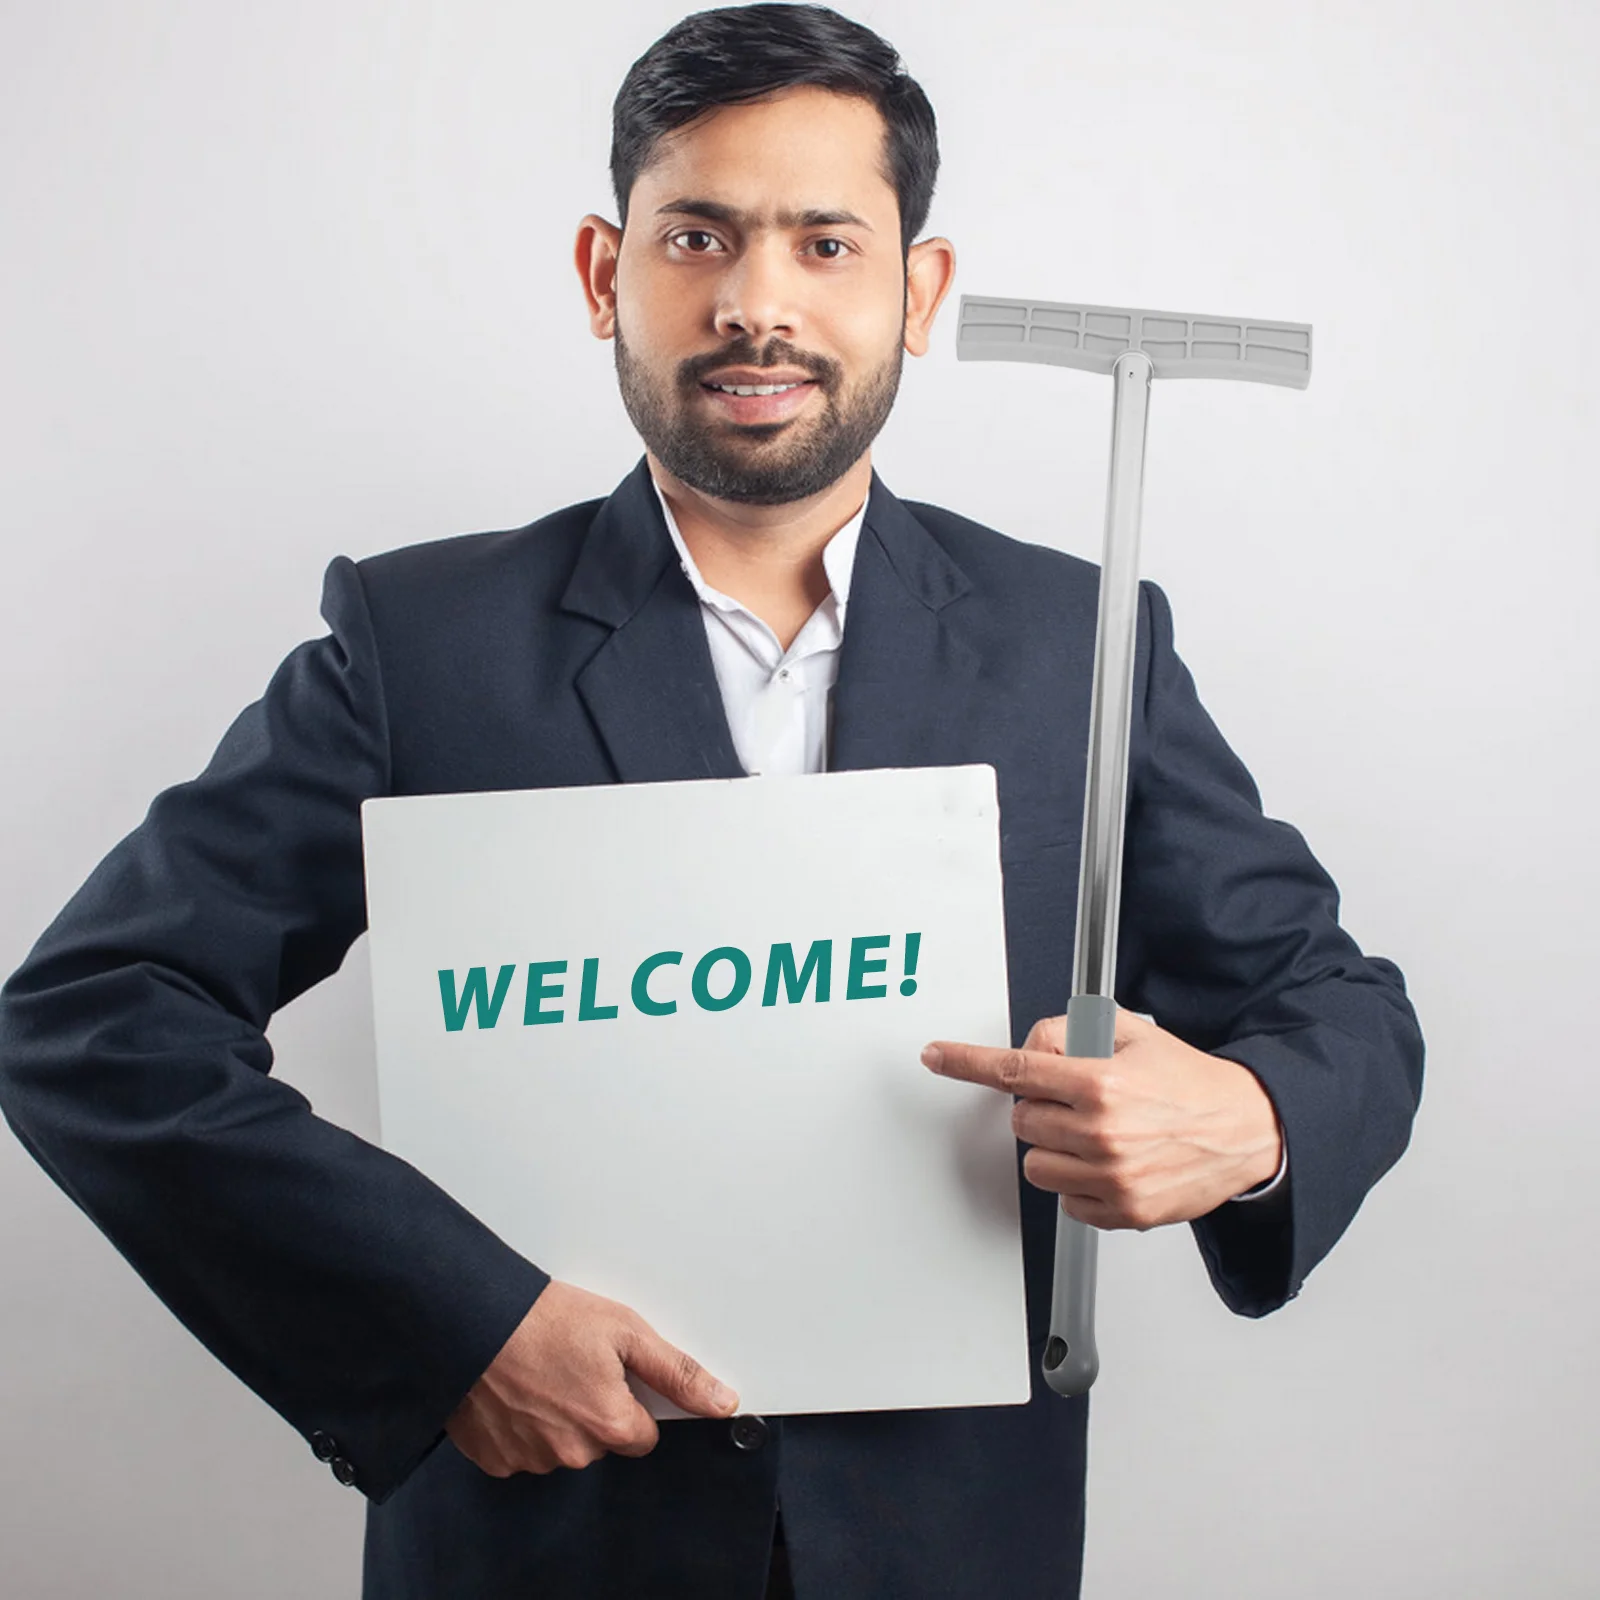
1033, 1074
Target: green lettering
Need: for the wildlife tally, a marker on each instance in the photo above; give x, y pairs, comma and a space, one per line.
641, 984
474, 993
539, 991
856, 987
588, 1011
700, 984
780, 964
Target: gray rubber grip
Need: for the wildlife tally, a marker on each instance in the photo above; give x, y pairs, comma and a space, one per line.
1071, 1361
1064, 334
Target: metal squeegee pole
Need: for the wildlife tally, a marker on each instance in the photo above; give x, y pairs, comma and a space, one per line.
1071, 1360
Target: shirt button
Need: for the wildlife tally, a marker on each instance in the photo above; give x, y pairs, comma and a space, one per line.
323, 1447
783, 674
342, 1470
748, 1433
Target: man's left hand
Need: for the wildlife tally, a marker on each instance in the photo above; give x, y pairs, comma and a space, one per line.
1160, 1133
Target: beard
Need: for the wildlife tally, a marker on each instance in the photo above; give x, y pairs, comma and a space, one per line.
759, 464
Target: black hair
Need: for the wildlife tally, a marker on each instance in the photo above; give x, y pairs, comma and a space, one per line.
743, 53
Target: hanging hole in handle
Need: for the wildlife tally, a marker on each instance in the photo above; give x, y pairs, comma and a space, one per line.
1055, 1352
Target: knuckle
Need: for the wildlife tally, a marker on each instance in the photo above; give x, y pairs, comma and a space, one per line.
617, 1429
1012, 1068
1105, 1144
1134, 1208
576, 1452
1092, 1096
1120, 1190
639, 1438
577, 1457
1041, 1036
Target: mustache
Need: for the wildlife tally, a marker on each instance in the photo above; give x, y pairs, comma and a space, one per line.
776, 353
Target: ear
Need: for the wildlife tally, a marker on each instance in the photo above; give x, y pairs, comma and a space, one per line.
595, 255
930, 270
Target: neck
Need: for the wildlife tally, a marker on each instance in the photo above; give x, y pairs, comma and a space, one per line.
768, 558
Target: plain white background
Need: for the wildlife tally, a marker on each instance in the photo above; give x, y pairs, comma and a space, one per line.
280, 281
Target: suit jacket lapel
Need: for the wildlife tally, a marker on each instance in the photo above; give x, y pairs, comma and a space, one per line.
905, 695
650, 687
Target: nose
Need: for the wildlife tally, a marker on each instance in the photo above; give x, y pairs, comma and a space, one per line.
758, 295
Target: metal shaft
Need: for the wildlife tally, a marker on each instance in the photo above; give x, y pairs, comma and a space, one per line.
1105, 795
1070, 1359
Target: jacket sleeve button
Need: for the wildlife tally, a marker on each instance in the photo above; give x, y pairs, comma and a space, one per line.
342, 1470
323, 1447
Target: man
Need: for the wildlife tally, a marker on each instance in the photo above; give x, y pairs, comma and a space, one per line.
773, 166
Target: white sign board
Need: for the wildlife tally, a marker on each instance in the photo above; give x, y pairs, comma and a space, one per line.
664, 1038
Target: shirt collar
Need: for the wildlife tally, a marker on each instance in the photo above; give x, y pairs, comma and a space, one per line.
838, 559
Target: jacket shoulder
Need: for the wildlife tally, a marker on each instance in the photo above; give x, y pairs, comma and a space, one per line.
975, 545
995, 560
477, 568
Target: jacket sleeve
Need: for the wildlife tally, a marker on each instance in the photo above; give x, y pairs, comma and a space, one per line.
352, 1294
1230, 938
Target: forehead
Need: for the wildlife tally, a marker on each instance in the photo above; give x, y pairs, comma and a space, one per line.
804, 149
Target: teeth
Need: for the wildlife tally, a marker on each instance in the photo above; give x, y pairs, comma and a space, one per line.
754, 388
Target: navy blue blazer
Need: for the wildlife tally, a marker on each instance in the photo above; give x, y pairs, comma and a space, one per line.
361, 1302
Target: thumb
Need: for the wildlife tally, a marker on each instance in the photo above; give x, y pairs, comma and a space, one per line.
677, 1376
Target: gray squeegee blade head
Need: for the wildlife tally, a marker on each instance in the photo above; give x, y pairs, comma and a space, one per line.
1092, 337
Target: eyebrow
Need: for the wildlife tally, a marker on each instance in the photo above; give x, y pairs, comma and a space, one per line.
715, 211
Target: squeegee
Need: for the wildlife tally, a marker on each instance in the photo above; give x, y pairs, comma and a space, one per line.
1133, 347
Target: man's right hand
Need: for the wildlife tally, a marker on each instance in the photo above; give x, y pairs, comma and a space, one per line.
556, 1395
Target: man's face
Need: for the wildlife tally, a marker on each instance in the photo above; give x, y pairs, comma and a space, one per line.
763, 248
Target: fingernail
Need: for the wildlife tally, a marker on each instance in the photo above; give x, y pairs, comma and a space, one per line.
933, 1056
723, 1396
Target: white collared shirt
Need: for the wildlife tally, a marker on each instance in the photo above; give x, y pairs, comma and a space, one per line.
777, 701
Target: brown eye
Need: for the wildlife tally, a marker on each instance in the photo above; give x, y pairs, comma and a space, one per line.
830, 249
699, 241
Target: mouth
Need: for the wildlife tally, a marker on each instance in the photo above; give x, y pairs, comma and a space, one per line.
759, 402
